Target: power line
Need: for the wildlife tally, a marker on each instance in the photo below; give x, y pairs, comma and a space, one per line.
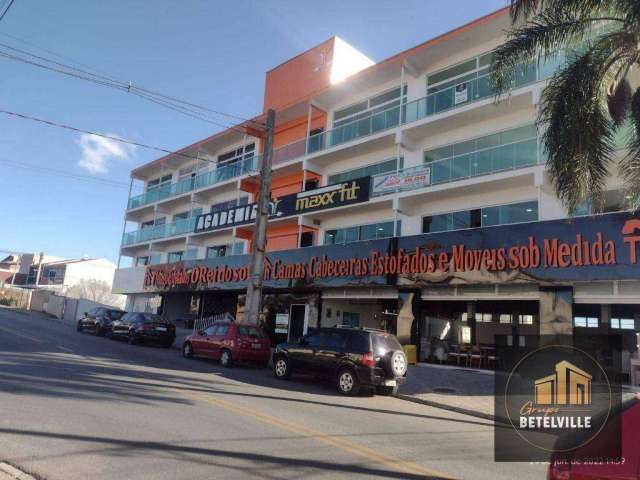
105, 81
6, 10
62, 173
109, 137
108, 81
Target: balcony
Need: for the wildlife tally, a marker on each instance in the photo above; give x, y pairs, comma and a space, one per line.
487, 161
157, 232
202, 180
449, 98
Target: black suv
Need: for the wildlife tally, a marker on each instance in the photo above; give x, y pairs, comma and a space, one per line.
352, 357
98, 320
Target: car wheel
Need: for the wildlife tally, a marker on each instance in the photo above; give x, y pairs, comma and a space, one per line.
131, 339
98, 331
348, 383
281, 368
388, 391
78, 327
187, 350
225, 358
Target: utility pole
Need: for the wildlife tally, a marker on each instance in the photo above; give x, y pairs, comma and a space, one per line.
254, 288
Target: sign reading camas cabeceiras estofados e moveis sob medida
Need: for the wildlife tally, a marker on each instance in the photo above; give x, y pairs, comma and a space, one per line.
331, 196
611, 251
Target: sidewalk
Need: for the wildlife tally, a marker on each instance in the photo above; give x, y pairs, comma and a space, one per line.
463, 390
454, 388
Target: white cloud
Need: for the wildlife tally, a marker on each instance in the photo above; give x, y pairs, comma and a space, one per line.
98, 152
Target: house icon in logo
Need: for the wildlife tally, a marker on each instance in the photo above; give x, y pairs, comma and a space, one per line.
569, 385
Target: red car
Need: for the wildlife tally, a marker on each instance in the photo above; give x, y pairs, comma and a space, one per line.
627, 468
229, 342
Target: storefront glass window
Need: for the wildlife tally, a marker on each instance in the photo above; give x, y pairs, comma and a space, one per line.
525, 319
587, 322
623, 323
506, 318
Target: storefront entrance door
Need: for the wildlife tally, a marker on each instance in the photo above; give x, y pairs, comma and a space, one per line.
298, 322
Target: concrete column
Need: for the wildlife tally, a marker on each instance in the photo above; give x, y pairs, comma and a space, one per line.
605, 318
407, 312
556, 311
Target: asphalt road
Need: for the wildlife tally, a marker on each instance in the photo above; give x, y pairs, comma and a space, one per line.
74, 406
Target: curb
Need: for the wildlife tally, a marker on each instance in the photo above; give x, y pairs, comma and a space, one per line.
14, 473
444, 406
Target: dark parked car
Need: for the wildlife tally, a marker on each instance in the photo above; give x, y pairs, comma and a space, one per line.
98, 320
140, 327
352, 357
229, 342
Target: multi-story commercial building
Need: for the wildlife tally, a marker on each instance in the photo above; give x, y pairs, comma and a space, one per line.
405, 197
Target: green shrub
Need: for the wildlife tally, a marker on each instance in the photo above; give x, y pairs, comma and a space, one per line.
7, 301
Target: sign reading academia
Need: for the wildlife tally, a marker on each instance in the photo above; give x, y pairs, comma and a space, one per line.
331, 196
601, 247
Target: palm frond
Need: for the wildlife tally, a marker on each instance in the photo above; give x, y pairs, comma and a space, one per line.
618, 101
540, 38
630, 164
578, 137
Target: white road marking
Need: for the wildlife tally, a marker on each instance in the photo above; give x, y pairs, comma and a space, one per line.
64, 348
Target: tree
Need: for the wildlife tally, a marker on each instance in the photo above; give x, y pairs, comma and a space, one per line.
97, 291
591, 97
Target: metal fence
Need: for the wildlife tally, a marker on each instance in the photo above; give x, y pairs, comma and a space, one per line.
205, 322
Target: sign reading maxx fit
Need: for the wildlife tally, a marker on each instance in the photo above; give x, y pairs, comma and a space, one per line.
331, 196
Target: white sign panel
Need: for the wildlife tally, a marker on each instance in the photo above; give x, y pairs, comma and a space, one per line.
409, 179
462, 93
282, 323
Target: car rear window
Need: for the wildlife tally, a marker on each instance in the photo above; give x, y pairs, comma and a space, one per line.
386, 342
114, 314
359, 342
151, 318
250, 331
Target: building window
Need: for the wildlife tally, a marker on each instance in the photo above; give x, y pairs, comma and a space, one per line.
237, 155
235, 248
623, 323
370, 170
229, 204
506, 318
481, 217
306, 239
364, 109
155, 259
351, 319
363, 232
586, 322
157, 182
140, 261
175, 256
484, 317
217, 251
481, 156
525, 319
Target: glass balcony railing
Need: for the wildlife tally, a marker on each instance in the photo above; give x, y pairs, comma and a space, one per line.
448, 98
156, 232
211, 177
498, 159
462, 94
227, 172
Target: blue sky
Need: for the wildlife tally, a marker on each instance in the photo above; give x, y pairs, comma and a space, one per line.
214, 53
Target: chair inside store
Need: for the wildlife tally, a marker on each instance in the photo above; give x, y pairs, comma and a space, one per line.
451, 335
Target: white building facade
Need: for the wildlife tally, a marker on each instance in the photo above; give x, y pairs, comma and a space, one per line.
421, 160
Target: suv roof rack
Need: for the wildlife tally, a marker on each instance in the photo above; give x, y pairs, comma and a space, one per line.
366, 329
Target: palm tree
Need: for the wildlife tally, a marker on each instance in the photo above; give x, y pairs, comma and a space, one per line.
589, 98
